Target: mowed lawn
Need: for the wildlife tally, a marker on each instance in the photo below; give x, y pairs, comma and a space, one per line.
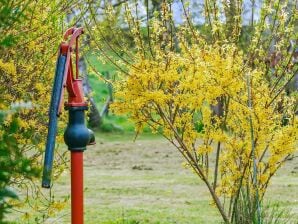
145, 182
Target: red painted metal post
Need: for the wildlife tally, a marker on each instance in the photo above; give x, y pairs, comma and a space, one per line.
77, 199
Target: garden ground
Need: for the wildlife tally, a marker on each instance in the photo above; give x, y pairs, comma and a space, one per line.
145, 182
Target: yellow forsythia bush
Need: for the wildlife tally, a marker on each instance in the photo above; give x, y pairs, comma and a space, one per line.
27, 67
223, 105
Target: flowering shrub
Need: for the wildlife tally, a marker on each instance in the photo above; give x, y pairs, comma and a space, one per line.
27, 63
215, 95
173, 96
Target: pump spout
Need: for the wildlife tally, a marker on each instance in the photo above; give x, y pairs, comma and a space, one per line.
91, 137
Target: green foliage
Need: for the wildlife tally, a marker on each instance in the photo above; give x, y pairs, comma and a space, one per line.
109, 127
273, 213
112, 123
8, 41
31, 36
10, 12
13, 163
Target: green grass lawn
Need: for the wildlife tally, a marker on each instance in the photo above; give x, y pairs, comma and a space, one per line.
144, 182
139, 182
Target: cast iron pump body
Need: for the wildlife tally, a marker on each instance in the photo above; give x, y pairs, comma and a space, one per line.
77, 136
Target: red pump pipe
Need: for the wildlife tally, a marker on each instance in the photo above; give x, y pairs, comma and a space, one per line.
77, 186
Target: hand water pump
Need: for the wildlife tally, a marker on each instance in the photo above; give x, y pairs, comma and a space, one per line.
76, 136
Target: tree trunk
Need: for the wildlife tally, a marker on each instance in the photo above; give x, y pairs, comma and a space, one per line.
110, 99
